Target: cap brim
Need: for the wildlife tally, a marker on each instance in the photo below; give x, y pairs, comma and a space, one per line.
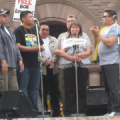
5, 12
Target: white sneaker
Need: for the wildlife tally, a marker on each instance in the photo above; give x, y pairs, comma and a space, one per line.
110, 114
106, 114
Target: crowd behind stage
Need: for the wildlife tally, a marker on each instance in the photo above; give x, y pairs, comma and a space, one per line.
20, 58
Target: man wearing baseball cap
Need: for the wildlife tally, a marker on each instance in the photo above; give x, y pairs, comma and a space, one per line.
9, 55
2, 12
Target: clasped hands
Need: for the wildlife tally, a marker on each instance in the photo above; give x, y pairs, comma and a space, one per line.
78, 59
69, 57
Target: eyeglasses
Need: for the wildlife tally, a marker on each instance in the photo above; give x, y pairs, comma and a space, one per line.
68, 21
44, 29
105, 16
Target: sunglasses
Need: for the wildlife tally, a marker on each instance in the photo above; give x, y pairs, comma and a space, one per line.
44, 29
5, 16
105, 16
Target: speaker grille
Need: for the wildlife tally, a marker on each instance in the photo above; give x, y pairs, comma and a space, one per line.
97, 96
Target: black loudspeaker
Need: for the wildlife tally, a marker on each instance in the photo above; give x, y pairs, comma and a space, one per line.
15, 104
96, 96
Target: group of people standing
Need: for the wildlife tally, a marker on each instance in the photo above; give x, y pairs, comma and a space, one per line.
20, 67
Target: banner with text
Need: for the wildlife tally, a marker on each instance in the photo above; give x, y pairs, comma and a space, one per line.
23, 5
73, 41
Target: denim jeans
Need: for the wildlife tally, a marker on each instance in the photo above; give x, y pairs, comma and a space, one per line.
29, 82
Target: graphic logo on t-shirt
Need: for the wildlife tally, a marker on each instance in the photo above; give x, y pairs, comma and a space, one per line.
31, 40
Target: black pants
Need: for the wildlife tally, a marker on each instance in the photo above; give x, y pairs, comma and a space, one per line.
70, 90
111, 81
50, 84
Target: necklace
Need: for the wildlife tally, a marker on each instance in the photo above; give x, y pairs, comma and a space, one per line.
26, 30
28, 38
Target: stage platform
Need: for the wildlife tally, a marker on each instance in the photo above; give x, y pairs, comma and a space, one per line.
74, 118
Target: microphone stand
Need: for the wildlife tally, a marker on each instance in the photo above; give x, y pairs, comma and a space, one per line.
40, 60
76, 80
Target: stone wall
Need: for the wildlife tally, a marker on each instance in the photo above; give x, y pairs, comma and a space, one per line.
92, 8
88, 12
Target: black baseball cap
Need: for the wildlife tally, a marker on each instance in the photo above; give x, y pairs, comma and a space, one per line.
2, 11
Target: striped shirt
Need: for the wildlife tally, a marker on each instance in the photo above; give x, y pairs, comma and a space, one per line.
8, 48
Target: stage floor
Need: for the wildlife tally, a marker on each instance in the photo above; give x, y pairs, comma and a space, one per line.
74, 118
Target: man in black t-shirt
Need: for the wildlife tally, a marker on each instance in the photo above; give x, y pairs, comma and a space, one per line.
27, 43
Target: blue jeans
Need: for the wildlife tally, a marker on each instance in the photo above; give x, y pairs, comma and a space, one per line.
29, 82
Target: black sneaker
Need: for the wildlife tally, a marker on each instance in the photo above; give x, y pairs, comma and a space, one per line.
56, 115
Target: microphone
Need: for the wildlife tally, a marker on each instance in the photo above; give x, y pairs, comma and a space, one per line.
35, 20
115, 17
75, 34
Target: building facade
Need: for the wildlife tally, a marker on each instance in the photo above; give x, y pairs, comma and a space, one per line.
55, 12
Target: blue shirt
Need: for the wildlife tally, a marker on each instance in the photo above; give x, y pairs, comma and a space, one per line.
8, 48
